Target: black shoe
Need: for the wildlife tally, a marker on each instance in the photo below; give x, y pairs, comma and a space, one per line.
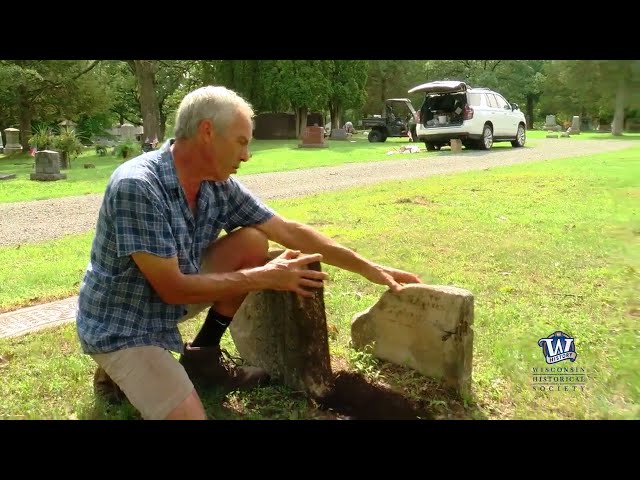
106, 388
214, 367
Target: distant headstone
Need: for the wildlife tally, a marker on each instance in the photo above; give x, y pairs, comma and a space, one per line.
423, 327
313, 137
89, 165
338, 134
127, 131
47, 166
67, 123
7, 176
575, 125
456, 145
13, 141
550, 122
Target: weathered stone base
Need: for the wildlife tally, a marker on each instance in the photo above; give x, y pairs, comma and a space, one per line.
313, 145
11, 150
46, 177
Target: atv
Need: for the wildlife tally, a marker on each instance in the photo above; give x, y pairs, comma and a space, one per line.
399, 120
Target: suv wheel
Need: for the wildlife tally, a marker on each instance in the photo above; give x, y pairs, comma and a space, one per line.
520, 138
487, 137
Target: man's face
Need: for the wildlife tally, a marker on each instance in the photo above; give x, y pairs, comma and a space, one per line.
230, 148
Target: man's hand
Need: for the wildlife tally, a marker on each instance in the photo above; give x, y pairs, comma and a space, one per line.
392, 277
288, 272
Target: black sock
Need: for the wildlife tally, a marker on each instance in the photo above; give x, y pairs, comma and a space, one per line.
212, 330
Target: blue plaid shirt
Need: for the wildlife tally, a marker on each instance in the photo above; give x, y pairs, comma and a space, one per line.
144, 209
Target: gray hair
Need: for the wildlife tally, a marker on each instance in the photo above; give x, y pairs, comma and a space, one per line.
215, 103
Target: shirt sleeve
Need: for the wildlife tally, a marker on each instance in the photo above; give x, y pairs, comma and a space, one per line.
140, 224
245, 209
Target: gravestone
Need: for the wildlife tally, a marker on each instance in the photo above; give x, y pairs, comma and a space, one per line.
423, 327
313, 137
574, 129
550, 123
67, 123
127, 131
47, 166
338, 134
7, 176
456, 145
13, 141
286, 334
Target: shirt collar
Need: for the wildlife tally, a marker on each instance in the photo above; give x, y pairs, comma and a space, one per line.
168, 167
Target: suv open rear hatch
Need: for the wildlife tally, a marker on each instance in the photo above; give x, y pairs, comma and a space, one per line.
446, 86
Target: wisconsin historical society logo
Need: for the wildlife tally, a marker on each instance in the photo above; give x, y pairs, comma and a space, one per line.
558, 347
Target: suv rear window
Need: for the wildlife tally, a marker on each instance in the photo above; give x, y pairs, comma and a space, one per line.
474, 99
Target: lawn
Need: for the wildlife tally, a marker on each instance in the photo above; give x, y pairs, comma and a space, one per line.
543, 247
268, 156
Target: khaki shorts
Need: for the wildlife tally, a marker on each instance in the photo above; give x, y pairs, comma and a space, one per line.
151, 377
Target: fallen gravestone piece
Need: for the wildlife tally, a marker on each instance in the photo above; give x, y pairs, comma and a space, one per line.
423, 327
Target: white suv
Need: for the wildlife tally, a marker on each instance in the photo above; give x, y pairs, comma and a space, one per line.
477, 116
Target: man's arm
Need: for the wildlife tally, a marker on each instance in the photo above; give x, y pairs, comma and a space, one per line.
287, 272
298, 236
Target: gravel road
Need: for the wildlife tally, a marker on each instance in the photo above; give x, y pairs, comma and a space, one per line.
27, 222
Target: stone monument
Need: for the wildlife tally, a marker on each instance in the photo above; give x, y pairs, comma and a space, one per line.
313, 137
48, 166
575, 126
13, 141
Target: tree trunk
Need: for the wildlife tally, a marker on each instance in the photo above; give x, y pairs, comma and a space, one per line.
145, 72
163, 127
336, 119
617, 126
529, 115
25, 118
301, 120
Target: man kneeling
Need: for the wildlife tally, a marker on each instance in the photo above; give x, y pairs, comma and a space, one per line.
157, 260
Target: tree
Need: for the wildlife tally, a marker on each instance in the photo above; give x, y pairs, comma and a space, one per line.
301, 85
145, 73
391, 78
347, 87
602, 88
48, 91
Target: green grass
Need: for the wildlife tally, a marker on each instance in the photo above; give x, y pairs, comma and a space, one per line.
543, 247
268, 156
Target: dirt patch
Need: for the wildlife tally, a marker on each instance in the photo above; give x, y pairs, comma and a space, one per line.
353, 397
